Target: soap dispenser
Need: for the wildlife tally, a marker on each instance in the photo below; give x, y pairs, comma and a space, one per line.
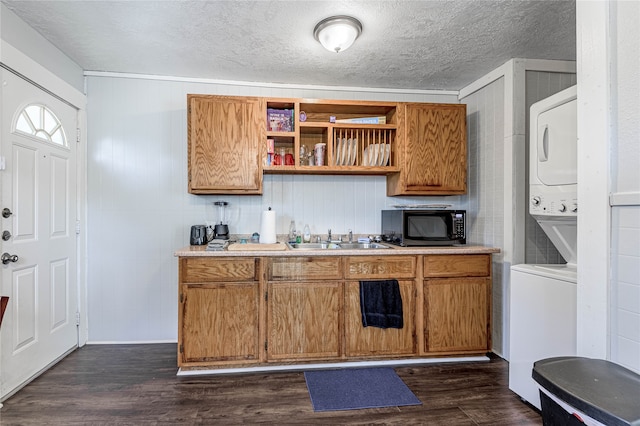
292, 232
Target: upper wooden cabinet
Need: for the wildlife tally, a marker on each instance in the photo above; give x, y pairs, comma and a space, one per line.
433, 154
421, 147
225, 137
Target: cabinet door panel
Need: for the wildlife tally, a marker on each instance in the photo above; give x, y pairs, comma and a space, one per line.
220, 322
304, 320
374, 341
434, 151
225, 134
456, 314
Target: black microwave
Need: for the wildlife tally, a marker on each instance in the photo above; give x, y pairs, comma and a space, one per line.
414, 227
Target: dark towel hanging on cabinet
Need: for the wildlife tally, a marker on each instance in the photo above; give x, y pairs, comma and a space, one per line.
381, 304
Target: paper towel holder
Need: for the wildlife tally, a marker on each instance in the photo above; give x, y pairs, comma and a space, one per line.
268, 227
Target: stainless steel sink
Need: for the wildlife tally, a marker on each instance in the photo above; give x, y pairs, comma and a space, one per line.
313, 246
336, 246
362, 246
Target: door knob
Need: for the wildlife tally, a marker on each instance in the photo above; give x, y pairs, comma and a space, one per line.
6, 258
6, 212
6, 235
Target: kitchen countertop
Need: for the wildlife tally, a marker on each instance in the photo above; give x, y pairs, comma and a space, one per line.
200, 251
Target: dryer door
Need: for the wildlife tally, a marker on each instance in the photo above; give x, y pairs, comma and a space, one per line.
556, 145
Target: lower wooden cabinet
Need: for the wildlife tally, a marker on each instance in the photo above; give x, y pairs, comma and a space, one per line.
243, 311
304, 320
219, 323
219, 305
373, 341
457, 303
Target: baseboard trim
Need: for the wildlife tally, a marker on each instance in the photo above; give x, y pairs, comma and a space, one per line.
353, 364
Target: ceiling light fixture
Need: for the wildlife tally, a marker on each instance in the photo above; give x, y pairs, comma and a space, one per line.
337, 33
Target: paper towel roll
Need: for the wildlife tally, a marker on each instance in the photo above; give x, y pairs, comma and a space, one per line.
268, 227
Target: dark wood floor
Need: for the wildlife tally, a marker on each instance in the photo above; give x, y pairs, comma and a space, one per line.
137, 384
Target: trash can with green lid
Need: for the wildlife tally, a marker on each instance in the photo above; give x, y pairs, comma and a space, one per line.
576, 391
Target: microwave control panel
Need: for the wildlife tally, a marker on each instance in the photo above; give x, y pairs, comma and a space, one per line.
458, 226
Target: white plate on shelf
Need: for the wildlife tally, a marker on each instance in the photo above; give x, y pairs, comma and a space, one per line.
346, 154
375, 155
338, 151
354, 150
346, 144
387, 153
369, 156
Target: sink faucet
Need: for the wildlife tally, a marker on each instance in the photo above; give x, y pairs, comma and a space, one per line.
350, 236
329, 235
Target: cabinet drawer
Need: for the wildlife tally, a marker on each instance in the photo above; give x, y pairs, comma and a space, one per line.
457, 265
380, 267
304, 268
205, 269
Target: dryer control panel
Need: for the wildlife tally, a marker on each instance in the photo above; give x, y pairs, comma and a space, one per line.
544, 203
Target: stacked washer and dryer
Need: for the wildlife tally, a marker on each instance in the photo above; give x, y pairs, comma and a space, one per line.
543, 297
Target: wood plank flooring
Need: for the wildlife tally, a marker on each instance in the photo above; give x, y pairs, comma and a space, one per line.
137, 385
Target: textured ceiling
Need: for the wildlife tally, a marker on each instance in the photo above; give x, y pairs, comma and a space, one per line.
404, 44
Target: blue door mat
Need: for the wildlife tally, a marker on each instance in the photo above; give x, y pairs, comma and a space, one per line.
357, 388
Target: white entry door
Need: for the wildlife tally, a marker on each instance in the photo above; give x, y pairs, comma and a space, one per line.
38, 204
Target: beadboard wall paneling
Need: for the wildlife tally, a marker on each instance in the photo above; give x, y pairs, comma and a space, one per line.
139, 211
625, 219
485, 202
625, 289
539, 85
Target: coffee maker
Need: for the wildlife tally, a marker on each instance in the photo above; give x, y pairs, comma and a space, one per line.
221, 229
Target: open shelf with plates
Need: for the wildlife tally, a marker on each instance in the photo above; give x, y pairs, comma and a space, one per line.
363, 147
359, 137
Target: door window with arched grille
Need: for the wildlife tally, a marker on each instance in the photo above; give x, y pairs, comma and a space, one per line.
39, 121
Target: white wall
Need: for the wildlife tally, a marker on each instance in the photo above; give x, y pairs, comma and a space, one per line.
625, 192
594, 180
139, 211
609, 181
485, 128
